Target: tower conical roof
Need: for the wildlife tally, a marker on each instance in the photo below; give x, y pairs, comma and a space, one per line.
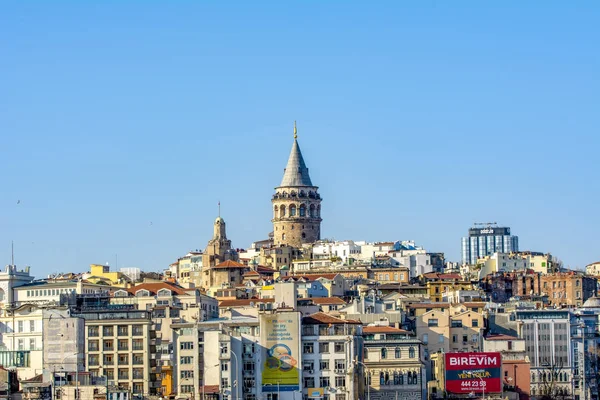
296, 172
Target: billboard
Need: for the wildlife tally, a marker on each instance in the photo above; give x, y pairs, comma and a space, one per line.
315, 393
473, 373
280, 342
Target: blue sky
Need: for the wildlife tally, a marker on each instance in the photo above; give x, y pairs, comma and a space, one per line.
122, 124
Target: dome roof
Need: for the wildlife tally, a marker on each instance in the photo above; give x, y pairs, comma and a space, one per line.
219, 220
592, 302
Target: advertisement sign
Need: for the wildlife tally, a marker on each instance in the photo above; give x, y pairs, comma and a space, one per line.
280, 341
473, 373
315, 393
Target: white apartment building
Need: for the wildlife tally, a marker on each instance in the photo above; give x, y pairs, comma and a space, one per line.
338, 249
330, 347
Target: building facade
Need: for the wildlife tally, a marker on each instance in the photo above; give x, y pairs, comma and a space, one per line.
296, 204
482, 242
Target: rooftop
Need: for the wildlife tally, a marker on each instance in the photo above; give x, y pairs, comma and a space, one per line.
322, 318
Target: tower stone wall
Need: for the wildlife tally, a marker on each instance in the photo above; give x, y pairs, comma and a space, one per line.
296, 204
296, 216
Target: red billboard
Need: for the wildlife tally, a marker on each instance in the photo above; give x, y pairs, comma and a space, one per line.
473, 373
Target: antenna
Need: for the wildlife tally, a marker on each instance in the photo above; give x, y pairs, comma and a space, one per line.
219, 208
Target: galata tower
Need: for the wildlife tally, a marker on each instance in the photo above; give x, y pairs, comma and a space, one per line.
296, 203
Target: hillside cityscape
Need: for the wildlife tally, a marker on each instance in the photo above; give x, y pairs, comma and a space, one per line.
299, 317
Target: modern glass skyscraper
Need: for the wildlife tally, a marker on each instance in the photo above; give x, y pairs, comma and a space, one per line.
487, 240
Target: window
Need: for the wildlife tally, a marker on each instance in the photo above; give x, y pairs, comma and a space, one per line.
185, 360
93, 345
187, 388
397, 353
411, 352
108, 359
138, 344
339, 347
454, 338
225, 382
426, 338
123, 359
224, 367
324, 381
384, 353
21, 344
340, 364
308, 348
123, 344
107, 345
324, 365
432, 322
186, 345
340, 381
324, 347
465, 338
248, 366
31, 326
123, 330
187, 374
441, 338
474, 323
20, 326
510, 346
309, 382
107, 331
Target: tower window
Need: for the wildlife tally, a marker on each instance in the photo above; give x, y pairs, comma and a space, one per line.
282, 212
283, 236
303, 235
292, 227
302, 210
292, 211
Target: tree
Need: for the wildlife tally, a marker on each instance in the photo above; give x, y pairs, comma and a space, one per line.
553, 382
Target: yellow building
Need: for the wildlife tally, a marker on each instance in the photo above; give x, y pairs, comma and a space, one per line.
436, 288
101, 275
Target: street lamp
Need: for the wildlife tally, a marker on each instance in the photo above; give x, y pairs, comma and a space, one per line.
367, 379
76, 373
237, 370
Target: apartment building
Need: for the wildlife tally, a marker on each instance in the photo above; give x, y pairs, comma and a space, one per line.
214, 355
547, 335
330, 347
444, 327
168, 304
119, 344
568, 288
393, 364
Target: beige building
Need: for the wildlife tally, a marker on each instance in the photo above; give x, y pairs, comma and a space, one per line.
296, 204
593, 269
393, 364
121, 346
169, 304
444, 327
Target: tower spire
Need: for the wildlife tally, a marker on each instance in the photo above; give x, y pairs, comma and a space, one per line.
295, 131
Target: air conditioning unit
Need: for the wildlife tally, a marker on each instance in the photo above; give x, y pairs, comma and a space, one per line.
310, 371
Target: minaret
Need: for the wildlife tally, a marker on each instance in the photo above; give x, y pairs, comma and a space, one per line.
296, 203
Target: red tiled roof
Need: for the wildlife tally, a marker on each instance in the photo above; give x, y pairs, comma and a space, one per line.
474, 304
383, 329
251, 273
211, 389
322, 318
314, 277
501, 337
265, 270
154, 287
230, 264
327, 300
243, 302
